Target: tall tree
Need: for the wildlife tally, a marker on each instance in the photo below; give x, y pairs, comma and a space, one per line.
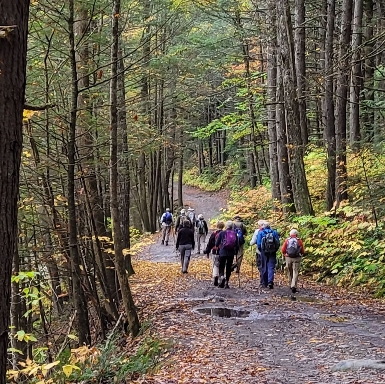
13, 53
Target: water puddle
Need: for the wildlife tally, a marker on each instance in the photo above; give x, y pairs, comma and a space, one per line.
223, 312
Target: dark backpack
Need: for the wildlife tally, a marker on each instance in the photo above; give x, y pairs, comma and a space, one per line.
241, 237
269, 243
293, 248
201, 227
229, 240
167, 218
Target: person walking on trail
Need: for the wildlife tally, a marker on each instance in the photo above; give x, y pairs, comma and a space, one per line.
181, 219
201, 231
191, 216
241, 232
293, 250
214, 251
268, 244
166, 222
253, 241
227, 242
185, 243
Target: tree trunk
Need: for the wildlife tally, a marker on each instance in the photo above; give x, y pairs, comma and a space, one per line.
341, 95
356, 79
301, 195
128, 301
329, 106
80, 303
301, 67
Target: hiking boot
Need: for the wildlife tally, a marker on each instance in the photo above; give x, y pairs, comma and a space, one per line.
271, 285
227, 286
222, 282
166, 242
294, 289
184, 271
215, 281
162, 242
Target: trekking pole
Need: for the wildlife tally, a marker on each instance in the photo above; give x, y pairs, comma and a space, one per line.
239, 271
252, 262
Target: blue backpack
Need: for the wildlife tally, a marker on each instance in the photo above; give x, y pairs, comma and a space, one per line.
229, 240
241, 238
270, 244
167, 218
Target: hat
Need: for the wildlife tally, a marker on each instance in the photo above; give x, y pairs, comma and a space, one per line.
183, 212
190, 209
167, 209
238, 218
200, 216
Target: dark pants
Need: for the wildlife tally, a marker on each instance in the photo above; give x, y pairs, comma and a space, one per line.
266, 267
225, 262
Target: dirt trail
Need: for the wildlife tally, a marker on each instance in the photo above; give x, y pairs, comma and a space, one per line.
268, 338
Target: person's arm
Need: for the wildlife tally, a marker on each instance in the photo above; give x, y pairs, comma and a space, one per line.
193, 239
219, 239
206, 227
259, 240
177, 240
284, 247
254, 238
300, 242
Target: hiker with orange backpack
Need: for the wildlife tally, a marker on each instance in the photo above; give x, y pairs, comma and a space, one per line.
227, 241
293, 250
214, 251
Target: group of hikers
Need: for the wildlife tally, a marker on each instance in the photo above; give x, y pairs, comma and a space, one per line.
226, 246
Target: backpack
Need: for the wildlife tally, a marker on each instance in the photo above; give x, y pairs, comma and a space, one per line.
269, 243
201, 227
229, 240
241, 237
183, 218
167, 218
293, 248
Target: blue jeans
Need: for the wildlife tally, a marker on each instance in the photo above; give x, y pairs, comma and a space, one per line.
267, 268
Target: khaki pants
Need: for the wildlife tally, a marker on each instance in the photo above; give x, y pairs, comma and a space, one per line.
166, 229
293, 264
239, 258
201, 238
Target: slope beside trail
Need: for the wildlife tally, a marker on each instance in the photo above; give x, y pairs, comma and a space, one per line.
268, 338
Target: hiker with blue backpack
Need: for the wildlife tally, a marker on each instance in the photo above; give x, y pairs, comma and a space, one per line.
253, 241
293, 250
166, 222
268, 244
241, 231
227, 242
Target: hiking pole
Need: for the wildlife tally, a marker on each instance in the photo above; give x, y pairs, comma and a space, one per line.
239, 270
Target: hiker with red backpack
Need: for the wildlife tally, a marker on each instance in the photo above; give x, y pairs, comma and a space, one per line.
293, 250
166, 222
214, 251
227, 242
268, 244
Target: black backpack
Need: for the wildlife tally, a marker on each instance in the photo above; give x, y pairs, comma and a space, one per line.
269, 243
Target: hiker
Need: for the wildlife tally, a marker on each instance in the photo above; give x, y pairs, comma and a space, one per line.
181, 219
201, 231
191, 216
228, 246
166, 222
241, 231
268, 245
293, 251
254, 241
185, 243
214, 251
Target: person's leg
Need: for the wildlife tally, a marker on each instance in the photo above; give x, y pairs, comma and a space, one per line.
222, 264
163, 233
239, 257
263, 269
187, 255
167, 236
229, 263
199, 239
182, 251
272, 261
289, 265
296, 265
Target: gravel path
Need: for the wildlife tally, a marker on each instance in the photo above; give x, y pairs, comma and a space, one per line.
277, 340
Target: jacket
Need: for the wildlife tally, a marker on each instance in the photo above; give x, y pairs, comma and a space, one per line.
225, 252
211, 243
185, 236
300, 243
205, 227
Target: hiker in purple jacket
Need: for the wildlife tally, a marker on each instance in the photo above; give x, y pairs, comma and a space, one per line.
228, 247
